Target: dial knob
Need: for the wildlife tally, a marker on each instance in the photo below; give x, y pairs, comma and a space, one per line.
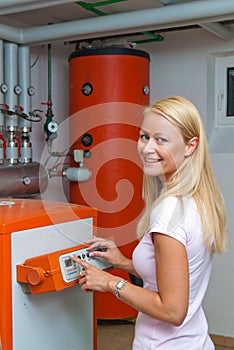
36, 276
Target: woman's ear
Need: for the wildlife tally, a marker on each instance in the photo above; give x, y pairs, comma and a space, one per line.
191, 146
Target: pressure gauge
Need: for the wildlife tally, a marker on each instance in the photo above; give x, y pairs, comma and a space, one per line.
17, 89
53, 127
87, 89
26, 180
31, 91
4, 88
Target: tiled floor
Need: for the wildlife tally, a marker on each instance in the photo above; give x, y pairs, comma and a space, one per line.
118, 335
115, 335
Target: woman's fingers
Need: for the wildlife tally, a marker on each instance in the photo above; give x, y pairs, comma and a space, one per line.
97, 242
81, 262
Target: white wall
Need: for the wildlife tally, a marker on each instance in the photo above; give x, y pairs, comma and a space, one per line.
178, 66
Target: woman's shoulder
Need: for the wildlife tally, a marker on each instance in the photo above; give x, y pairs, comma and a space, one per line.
176, 200
172, 216
173, 205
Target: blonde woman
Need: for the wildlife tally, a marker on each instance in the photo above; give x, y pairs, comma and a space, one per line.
182, 227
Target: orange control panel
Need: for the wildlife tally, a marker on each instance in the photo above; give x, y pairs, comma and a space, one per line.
56, 270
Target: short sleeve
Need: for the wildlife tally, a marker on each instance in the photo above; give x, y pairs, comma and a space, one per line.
168, 218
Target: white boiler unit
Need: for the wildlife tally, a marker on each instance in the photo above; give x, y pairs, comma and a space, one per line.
42, 306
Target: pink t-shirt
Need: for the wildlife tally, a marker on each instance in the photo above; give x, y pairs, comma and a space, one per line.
180, 220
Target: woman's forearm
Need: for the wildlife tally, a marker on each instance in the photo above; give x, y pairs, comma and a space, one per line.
127, 265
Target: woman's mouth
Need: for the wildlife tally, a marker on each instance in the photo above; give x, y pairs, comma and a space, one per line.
152, 161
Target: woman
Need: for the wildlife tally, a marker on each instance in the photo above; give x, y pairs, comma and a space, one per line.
182, 226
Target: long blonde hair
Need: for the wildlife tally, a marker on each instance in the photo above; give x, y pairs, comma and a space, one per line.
194, 177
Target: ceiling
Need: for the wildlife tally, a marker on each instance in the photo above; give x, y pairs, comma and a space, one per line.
36, 21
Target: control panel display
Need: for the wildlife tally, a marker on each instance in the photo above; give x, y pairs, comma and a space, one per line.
70, 268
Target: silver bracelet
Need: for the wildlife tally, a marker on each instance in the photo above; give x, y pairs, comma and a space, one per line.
119, 285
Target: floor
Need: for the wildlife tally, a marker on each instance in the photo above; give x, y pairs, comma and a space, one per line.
119, 335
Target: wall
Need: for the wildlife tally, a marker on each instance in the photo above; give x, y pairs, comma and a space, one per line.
178, 66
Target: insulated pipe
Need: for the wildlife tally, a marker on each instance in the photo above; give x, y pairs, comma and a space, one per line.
1, 82
129, 22
24, 82
11, 100
133, 21
24, 102
11, 73
11, 34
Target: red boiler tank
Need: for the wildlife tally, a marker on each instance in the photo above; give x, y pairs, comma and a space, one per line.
109, 89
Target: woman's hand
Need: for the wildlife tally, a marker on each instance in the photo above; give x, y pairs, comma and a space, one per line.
92, 278
107, 249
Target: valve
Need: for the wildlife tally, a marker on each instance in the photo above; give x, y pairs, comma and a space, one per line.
6, 109
50, 127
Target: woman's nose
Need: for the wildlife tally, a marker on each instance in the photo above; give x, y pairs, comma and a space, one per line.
150, 146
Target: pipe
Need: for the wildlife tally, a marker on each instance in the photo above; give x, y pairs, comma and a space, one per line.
1, 82
92, 8
11, 75
25, 126
49, 98
129, 22
2, 149
163, 17
12, 34
24, 82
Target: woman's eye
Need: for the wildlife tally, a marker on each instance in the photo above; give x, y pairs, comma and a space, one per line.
144, 137
161, 140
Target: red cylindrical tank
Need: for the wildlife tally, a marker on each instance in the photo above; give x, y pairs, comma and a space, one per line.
109, 88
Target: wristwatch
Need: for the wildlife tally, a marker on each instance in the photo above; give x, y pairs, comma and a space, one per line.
119, 285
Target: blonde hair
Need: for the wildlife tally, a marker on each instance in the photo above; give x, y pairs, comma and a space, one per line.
194, 177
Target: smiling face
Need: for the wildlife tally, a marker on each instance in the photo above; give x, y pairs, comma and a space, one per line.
161, 146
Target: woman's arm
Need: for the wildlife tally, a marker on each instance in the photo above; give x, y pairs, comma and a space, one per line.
170, 303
